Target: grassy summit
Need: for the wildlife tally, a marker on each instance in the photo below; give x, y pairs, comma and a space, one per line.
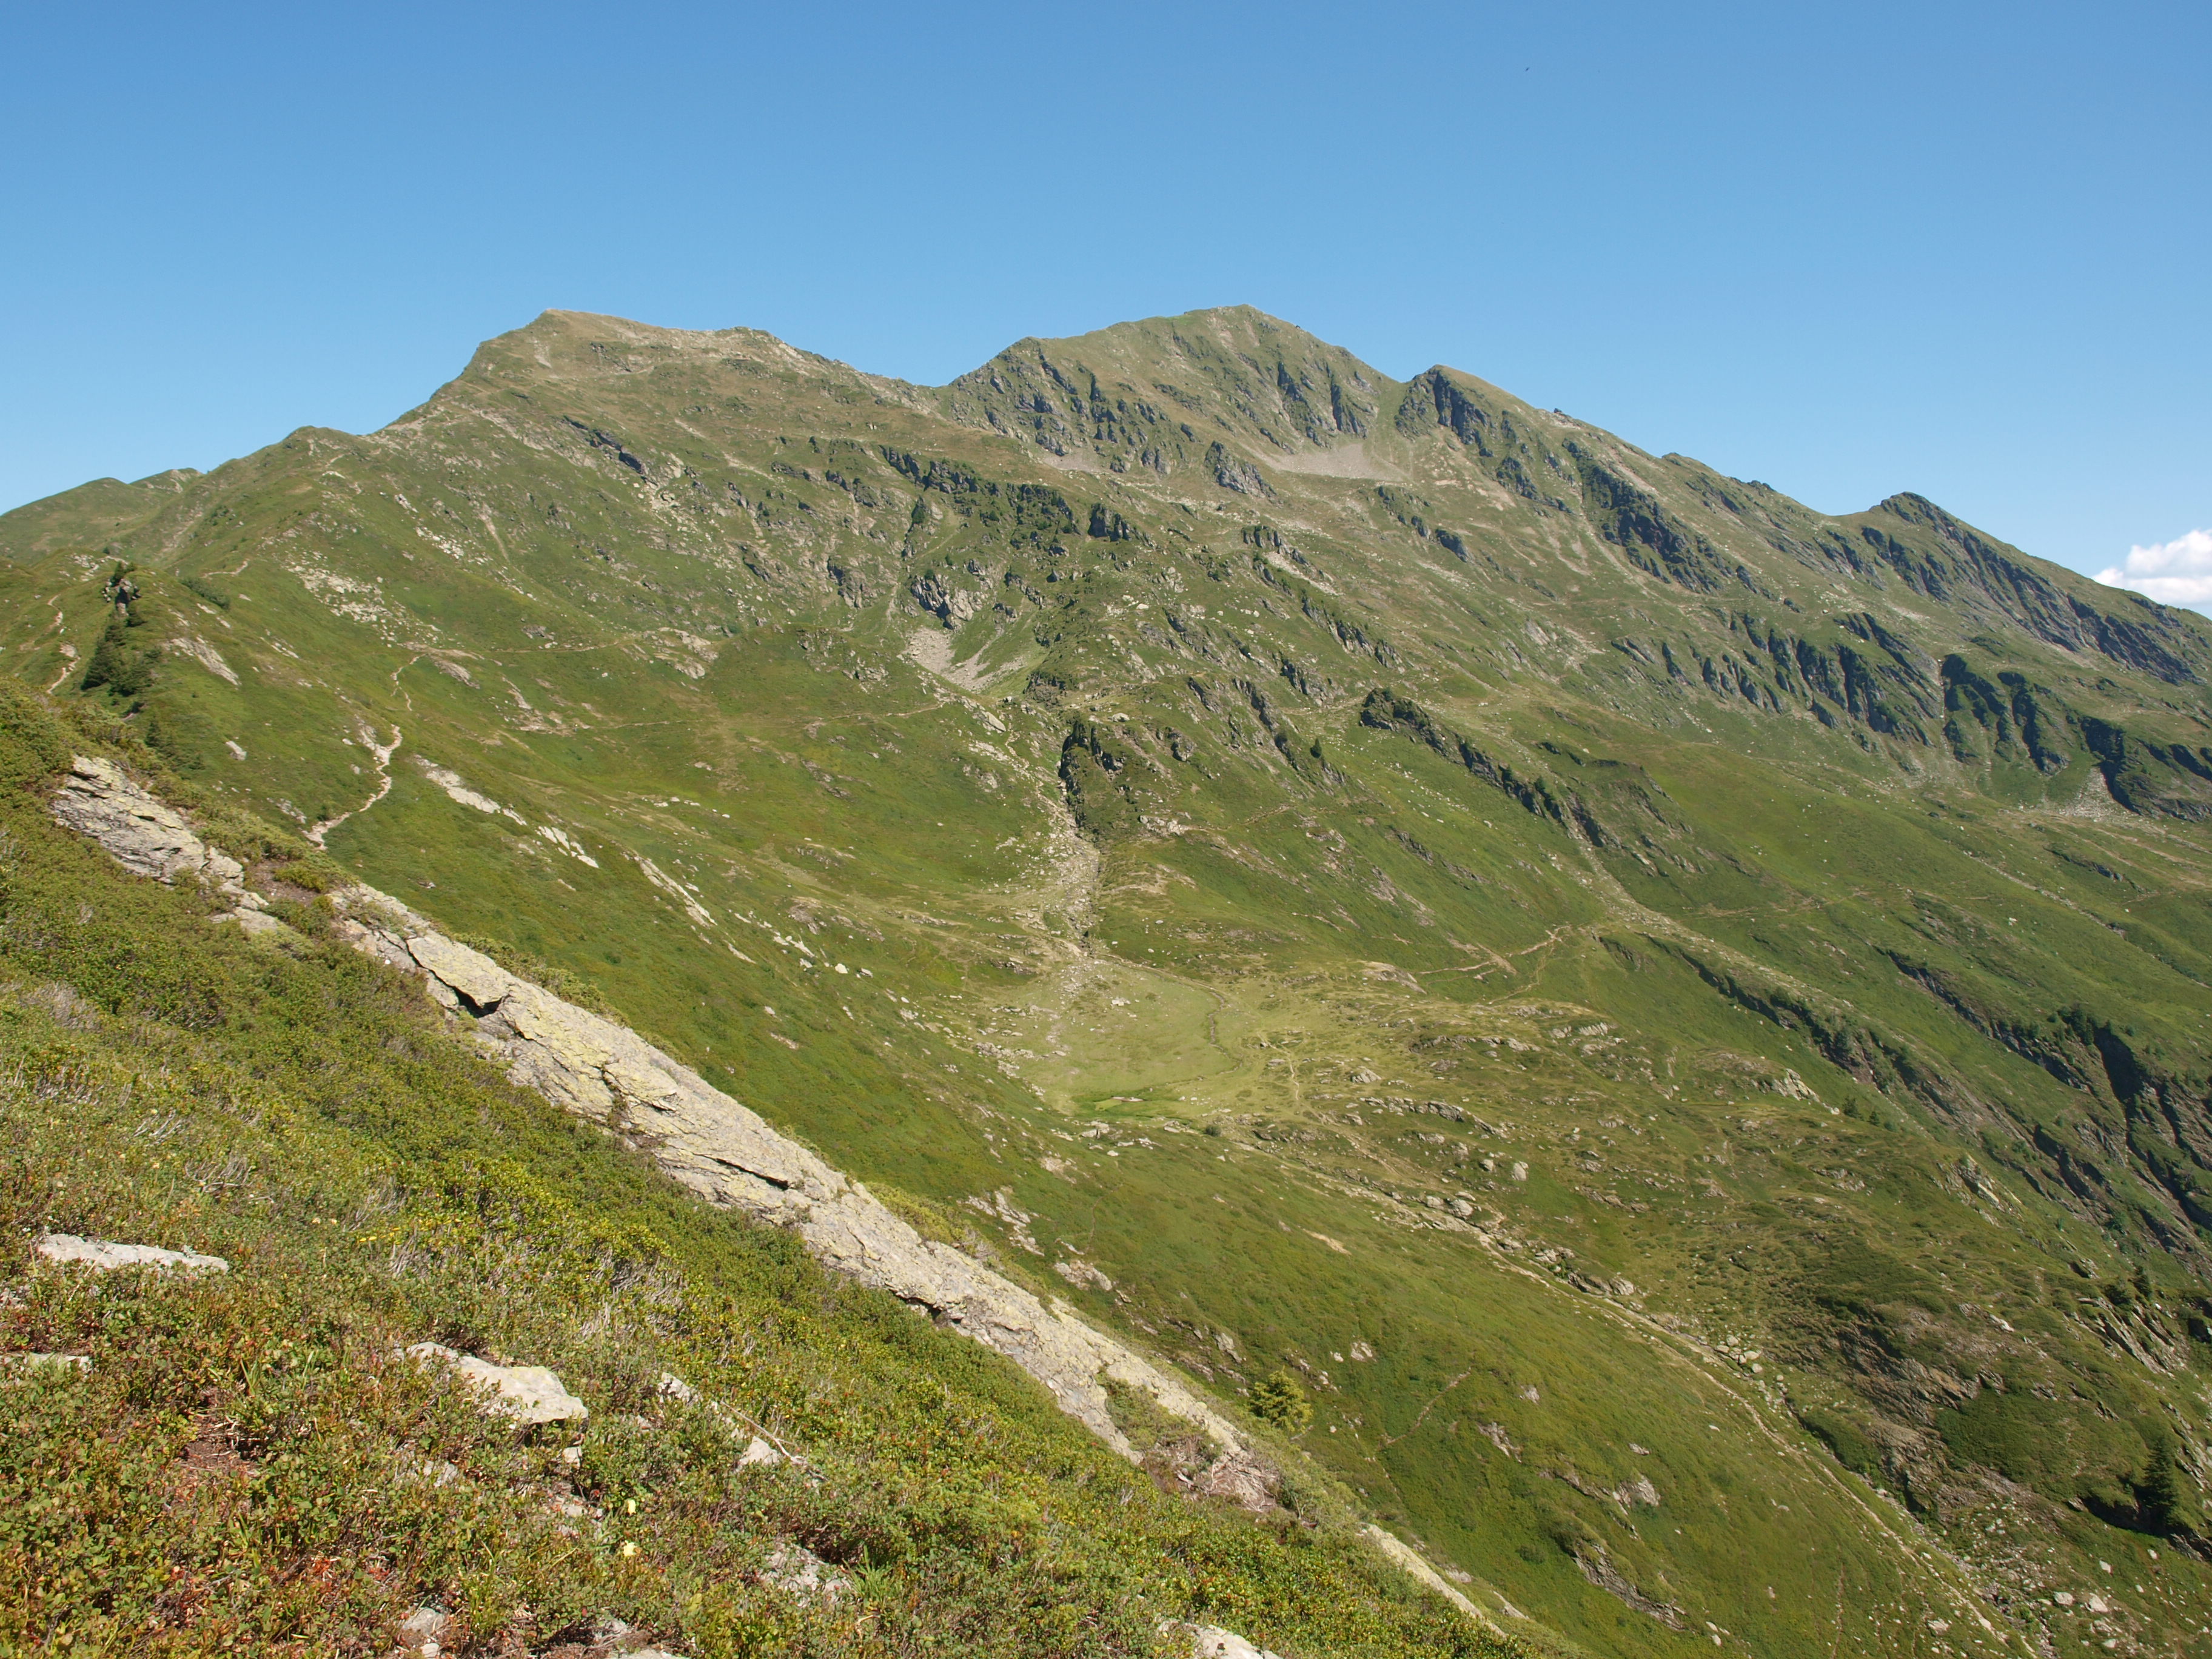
1681, 1022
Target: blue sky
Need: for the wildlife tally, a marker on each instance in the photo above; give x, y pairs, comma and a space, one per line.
1965, 250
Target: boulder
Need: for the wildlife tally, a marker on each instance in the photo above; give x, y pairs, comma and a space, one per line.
759, 1455
104, 1256
529, 1393
68, 1364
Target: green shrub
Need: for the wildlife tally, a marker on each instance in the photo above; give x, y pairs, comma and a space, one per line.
1280, 1399
1845, 1442
201, 588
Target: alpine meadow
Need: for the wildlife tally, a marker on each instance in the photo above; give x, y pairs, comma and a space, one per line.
1178, 997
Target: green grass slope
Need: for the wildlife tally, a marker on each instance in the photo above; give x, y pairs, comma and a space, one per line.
246, 1466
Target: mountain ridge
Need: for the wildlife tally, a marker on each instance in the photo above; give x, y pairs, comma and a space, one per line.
1347, 924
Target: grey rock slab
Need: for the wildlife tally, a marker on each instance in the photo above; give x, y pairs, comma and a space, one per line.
531, 1393
145, 836
104, 1255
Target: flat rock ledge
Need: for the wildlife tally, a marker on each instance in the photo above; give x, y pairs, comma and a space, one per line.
716, 1146
146, 836
529, 1394
104, 1257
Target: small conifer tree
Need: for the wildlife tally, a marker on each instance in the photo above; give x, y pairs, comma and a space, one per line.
1280, 1399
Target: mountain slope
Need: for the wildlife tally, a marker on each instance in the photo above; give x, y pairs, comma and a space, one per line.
248, 1458
1562, 950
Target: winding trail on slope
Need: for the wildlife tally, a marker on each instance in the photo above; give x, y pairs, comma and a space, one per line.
383, 752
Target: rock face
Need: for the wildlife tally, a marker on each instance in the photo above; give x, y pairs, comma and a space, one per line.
529, 1393
103, 1255
144, 835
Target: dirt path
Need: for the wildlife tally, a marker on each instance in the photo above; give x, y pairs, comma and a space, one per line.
383, 753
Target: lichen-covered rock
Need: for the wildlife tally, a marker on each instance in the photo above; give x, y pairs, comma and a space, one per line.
57, 1365
795, 1568
529, 1393
142, 834
421, 1631
759, 1455
1212, 1642
104, 1255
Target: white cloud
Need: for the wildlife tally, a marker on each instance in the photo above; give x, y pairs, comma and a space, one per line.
2178, 572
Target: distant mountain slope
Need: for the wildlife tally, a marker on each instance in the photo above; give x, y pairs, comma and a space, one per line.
1620, 983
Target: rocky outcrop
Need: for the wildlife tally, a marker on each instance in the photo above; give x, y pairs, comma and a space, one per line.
729, 1155
145, 836
104, 1256
529, 1394
1597, 1566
